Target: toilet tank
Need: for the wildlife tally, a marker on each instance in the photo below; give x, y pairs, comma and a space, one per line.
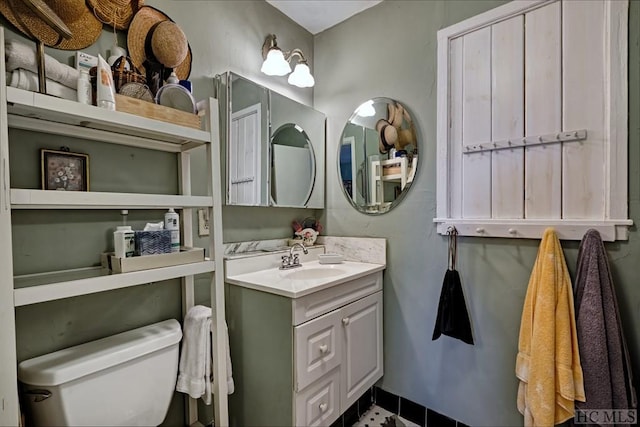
126, 379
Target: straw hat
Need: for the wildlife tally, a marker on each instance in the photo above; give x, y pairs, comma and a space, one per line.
84, 26
388, 135
169, 44
392, 133
115, 13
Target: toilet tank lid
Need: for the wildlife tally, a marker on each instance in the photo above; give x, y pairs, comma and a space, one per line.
75, 362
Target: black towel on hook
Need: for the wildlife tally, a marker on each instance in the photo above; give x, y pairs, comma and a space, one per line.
453, 318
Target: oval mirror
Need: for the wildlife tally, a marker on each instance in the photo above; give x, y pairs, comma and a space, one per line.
292, 166
378, 155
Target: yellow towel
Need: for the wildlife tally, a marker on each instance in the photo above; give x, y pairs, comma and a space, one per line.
548, 362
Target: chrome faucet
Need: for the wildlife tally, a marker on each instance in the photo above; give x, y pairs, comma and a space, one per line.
292, 260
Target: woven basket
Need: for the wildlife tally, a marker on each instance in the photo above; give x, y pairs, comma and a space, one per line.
120, 74
153, 242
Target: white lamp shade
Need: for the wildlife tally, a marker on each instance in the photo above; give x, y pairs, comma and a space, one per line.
301, 76
275, 64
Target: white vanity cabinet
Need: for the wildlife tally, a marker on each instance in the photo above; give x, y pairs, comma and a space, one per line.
303, 361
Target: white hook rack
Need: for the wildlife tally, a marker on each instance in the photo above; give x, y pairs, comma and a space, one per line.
610, 230
552, 138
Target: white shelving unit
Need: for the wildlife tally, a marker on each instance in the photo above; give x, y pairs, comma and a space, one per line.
41, 113
397, 170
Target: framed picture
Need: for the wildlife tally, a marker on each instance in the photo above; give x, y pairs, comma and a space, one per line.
62, 170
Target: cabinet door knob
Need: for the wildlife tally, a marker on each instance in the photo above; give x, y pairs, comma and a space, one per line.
345, 321
323, 407
324, 348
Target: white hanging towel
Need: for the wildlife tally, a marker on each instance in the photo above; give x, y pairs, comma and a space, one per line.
194, 371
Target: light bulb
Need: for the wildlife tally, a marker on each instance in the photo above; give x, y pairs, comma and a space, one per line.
301, 76
275, 64
366, 109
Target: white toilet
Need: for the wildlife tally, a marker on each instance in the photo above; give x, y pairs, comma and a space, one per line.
126, 379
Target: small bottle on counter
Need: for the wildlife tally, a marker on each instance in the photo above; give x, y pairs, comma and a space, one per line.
172, 222
124, 241
84, 87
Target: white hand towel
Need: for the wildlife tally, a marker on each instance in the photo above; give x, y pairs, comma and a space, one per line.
25, 79
20, 55
194, 376
195, 356
230, 384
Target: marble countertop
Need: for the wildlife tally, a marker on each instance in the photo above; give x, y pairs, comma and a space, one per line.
309, 278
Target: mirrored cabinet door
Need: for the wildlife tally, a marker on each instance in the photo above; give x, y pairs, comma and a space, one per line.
298, 152
275, 147
247, 154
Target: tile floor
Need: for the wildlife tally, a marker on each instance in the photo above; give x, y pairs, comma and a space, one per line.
376, 416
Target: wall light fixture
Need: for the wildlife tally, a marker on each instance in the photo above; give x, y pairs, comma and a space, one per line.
276, 63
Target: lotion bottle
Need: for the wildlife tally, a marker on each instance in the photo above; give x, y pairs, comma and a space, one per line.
124, 242
105, 91
172, 222
84, 87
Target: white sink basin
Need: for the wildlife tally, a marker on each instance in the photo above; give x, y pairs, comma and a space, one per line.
300, 281
313, 273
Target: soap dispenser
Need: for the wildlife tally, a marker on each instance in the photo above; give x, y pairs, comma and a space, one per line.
172, 222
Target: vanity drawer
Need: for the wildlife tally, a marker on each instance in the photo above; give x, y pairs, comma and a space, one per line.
318, 349
319, 404
321, 302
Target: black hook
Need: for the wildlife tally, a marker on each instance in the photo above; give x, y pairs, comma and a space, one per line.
453, 247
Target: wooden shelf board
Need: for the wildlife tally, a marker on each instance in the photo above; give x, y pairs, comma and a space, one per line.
52, 199
394, 177
33, 289
97, 123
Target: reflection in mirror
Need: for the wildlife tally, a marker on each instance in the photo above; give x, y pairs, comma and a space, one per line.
247, 155
292, 166
378, 155
256, 120
306, 125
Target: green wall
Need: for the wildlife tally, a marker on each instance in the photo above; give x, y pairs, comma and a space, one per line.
395, 42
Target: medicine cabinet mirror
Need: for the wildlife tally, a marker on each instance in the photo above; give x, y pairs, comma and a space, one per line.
378, 155
275, 146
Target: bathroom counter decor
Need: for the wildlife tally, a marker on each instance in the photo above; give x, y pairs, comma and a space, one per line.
147, 262
43, 115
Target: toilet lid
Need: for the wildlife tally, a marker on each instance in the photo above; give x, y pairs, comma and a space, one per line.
75, 362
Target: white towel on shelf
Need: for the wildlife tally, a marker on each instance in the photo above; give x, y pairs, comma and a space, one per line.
194, 372
25, 79
19, 55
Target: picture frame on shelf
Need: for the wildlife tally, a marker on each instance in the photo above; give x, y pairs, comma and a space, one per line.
63, 170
